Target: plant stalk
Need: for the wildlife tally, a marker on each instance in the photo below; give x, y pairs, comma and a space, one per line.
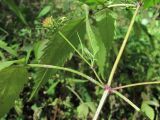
67, 69
121, 5
126, 99
105, 93
76, 94
136, 84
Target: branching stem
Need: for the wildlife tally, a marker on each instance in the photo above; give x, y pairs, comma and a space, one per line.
105, 93
67, 69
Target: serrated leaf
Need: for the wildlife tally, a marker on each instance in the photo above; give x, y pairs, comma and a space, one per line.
12, 81
51, 90
4, 46
105, 32
6, 64
44, 11
91, 35
38, 49
12, 5
148, 110
58, 50
82, 110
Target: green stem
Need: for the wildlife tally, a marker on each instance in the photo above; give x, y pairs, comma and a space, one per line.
121, 5
61, 34
76, 94
105, 94
127, 100
97, 76
67, 69
80, 44
136, 84
122, 47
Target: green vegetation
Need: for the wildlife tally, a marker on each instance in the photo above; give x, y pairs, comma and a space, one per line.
79, 60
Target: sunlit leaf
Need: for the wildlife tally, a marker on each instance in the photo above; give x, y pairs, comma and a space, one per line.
6, 64
148, 110
83, 111
44, 11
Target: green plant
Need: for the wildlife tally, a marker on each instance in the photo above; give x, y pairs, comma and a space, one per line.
85, 37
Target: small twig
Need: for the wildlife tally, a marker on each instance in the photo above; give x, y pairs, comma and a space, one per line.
127, 100
136, 84
97, 75
117, 5
66, 69
121, 5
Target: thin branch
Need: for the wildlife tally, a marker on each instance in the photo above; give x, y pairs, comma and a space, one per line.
127, 100
69, 70
97, 76
136, 84
81, 44
121, 5
117, 5
76, 94
122, 47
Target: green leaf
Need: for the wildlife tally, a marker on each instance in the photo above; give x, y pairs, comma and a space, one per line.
149, 111
4, 46
105, 35
83, 111
12, 81
12, 5
6, 64
39, 49
51, 90
58, 50
44, 11
150, 3
91, 35
91, 106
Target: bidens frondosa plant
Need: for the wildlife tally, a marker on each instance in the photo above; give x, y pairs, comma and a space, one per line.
89, 37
